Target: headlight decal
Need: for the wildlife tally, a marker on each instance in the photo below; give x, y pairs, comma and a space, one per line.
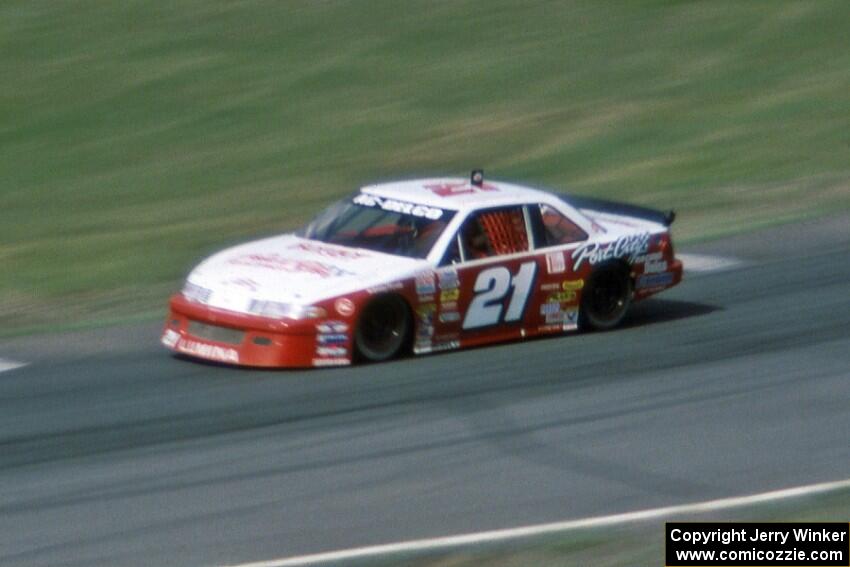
278, 309
196, 293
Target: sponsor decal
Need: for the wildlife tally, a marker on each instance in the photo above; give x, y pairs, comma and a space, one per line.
344, 306
327, 251
331, 351
571, 285
630, 247
449, 317
555, 315
425, 283
448, 279
458, 188
332, 327
655, 267
425, 314
331, 361
649, 257
555, 263
449, 306
283, 264
425, 348
204, 350
425, 332
654, 280
562, 297
426, 308
550, 287
449, 295
395, 206
333, 339
394, 286
550, 308
566, 318
170, 338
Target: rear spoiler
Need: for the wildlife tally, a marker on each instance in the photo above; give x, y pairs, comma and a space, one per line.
604, 206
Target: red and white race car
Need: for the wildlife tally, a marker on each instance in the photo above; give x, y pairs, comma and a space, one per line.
423, 266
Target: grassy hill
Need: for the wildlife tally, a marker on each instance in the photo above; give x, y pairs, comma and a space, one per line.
135, 137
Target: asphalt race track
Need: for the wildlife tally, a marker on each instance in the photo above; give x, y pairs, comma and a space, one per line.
112, 452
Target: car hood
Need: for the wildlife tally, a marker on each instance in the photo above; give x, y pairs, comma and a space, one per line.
291, 269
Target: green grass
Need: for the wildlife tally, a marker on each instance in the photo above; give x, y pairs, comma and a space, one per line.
135, 137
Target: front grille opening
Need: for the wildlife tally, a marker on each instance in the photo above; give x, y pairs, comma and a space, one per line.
216, 333
263, 341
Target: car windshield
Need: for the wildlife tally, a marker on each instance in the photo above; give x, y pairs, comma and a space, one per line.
380, 224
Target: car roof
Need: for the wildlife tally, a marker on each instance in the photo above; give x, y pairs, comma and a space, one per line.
457, 193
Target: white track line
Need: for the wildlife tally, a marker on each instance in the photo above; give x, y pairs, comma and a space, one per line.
527, 531
703, 263
6, 364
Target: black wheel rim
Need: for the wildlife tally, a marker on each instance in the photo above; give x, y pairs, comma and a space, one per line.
609, 295
382, 327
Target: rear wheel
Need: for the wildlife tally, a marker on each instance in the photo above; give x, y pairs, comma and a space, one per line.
383, 328
606, 297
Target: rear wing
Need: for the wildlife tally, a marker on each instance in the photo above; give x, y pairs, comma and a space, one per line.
604, 206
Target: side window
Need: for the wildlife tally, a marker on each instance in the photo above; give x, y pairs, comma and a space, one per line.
494, 232
557, 229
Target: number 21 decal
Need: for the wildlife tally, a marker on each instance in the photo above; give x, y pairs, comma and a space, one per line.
491, 287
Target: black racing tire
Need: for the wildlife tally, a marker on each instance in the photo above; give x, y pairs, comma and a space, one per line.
383, 329
606, 297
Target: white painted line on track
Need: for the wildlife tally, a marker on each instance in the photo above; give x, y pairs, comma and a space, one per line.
6, 364
541, 529
703, 263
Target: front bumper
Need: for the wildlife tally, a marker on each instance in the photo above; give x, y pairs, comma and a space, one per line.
199, 331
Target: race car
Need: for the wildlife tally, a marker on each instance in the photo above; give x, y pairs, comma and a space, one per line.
422, 266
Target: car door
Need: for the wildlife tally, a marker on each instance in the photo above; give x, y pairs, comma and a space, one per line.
556, 237
488, 279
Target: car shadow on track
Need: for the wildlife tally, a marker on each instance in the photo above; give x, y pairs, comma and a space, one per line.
653, 311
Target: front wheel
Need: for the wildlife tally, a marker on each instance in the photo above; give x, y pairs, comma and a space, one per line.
383, 329
606, 298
